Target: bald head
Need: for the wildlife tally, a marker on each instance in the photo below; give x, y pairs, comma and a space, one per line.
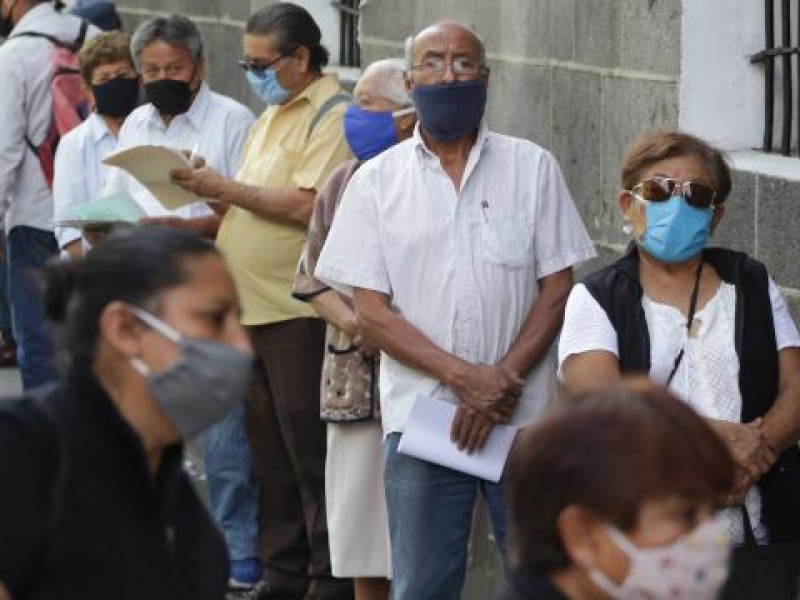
440, 37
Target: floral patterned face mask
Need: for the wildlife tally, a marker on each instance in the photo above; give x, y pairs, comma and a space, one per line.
693, 567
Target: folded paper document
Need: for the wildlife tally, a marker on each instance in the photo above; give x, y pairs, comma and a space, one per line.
427, 436
151, 166
114, 209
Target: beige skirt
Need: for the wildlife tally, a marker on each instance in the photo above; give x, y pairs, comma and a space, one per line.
358, 528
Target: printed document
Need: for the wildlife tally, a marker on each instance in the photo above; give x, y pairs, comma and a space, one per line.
151, 165
427, 437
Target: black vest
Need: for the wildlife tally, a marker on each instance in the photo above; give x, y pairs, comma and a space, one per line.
617, 289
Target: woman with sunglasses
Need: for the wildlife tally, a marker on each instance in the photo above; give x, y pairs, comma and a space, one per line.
709, 323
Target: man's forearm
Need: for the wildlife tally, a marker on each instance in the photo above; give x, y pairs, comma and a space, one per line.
541, 326
289, 206
330, 306
382, 327
204, 226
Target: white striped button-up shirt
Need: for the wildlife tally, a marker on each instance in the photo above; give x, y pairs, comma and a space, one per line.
216, 126
461, 266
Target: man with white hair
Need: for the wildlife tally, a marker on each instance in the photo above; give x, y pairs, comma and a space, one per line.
381, 116
458, 246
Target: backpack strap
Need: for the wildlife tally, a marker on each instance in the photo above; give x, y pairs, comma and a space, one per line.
326, 108
78, 43
73, 46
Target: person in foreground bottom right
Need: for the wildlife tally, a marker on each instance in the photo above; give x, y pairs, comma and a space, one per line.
614, 494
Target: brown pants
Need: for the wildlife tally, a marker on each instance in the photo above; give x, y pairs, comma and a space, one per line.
288, 442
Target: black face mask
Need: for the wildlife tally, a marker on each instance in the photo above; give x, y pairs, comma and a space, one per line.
171, 97
117, 97
6, 24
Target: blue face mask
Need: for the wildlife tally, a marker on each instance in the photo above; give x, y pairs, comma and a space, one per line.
370, 132
450, 111
676, 231
267, 87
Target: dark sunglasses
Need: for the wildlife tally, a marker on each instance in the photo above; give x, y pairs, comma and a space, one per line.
661, 189
259, 69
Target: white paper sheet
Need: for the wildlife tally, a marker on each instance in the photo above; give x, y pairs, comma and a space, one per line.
427, 436
151, 165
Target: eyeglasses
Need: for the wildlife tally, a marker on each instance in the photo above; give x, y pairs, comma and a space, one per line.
661, 189
259, 69
462, 67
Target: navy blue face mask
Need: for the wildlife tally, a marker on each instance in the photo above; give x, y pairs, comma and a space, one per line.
450, 111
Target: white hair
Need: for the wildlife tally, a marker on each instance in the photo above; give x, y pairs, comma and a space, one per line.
390, 80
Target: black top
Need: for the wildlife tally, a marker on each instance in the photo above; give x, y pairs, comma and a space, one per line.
527, 586
80, 516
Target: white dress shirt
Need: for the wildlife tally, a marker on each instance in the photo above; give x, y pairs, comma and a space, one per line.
26, 108
80, 175
462, 267
216, 125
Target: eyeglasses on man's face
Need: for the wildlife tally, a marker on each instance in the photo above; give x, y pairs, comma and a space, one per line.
436, 67
661, 189
258, 68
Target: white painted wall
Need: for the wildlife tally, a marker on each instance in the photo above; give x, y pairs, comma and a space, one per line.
327, 17
721, 93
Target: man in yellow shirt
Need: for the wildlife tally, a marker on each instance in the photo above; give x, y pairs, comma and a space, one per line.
291, 150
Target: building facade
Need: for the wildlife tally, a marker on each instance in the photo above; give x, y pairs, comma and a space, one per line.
584, 78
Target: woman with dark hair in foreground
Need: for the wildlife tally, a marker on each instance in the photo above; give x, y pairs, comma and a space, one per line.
94, 501
614, 495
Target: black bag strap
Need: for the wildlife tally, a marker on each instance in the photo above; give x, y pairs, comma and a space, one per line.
325, 109
81, 34
74, 46
689, 321
749, 534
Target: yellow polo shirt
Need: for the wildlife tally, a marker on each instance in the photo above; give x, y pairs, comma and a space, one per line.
280, 153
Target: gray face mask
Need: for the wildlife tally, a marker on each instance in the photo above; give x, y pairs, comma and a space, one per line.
206, 383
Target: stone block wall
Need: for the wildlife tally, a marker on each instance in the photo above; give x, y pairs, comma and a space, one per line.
581, 77
221, 23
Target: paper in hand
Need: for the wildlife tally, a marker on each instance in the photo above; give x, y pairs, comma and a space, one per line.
111, 210
427, 436
151, 166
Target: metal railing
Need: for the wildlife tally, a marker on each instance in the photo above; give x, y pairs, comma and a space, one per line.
349, 52
771, 55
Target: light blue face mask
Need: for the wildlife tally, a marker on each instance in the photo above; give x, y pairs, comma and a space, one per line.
267, 87
676, 231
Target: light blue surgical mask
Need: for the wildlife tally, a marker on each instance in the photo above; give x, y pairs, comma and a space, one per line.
267, 87
675, 231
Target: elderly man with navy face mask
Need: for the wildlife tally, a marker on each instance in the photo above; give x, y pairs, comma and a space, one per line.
457, 246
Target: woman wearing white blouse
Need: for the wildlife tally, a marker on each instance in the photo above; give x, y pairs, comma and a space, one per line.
112, 85
707, 322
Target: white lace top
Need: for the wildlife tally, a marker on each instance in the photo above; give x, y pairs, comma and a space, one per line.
708, 376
